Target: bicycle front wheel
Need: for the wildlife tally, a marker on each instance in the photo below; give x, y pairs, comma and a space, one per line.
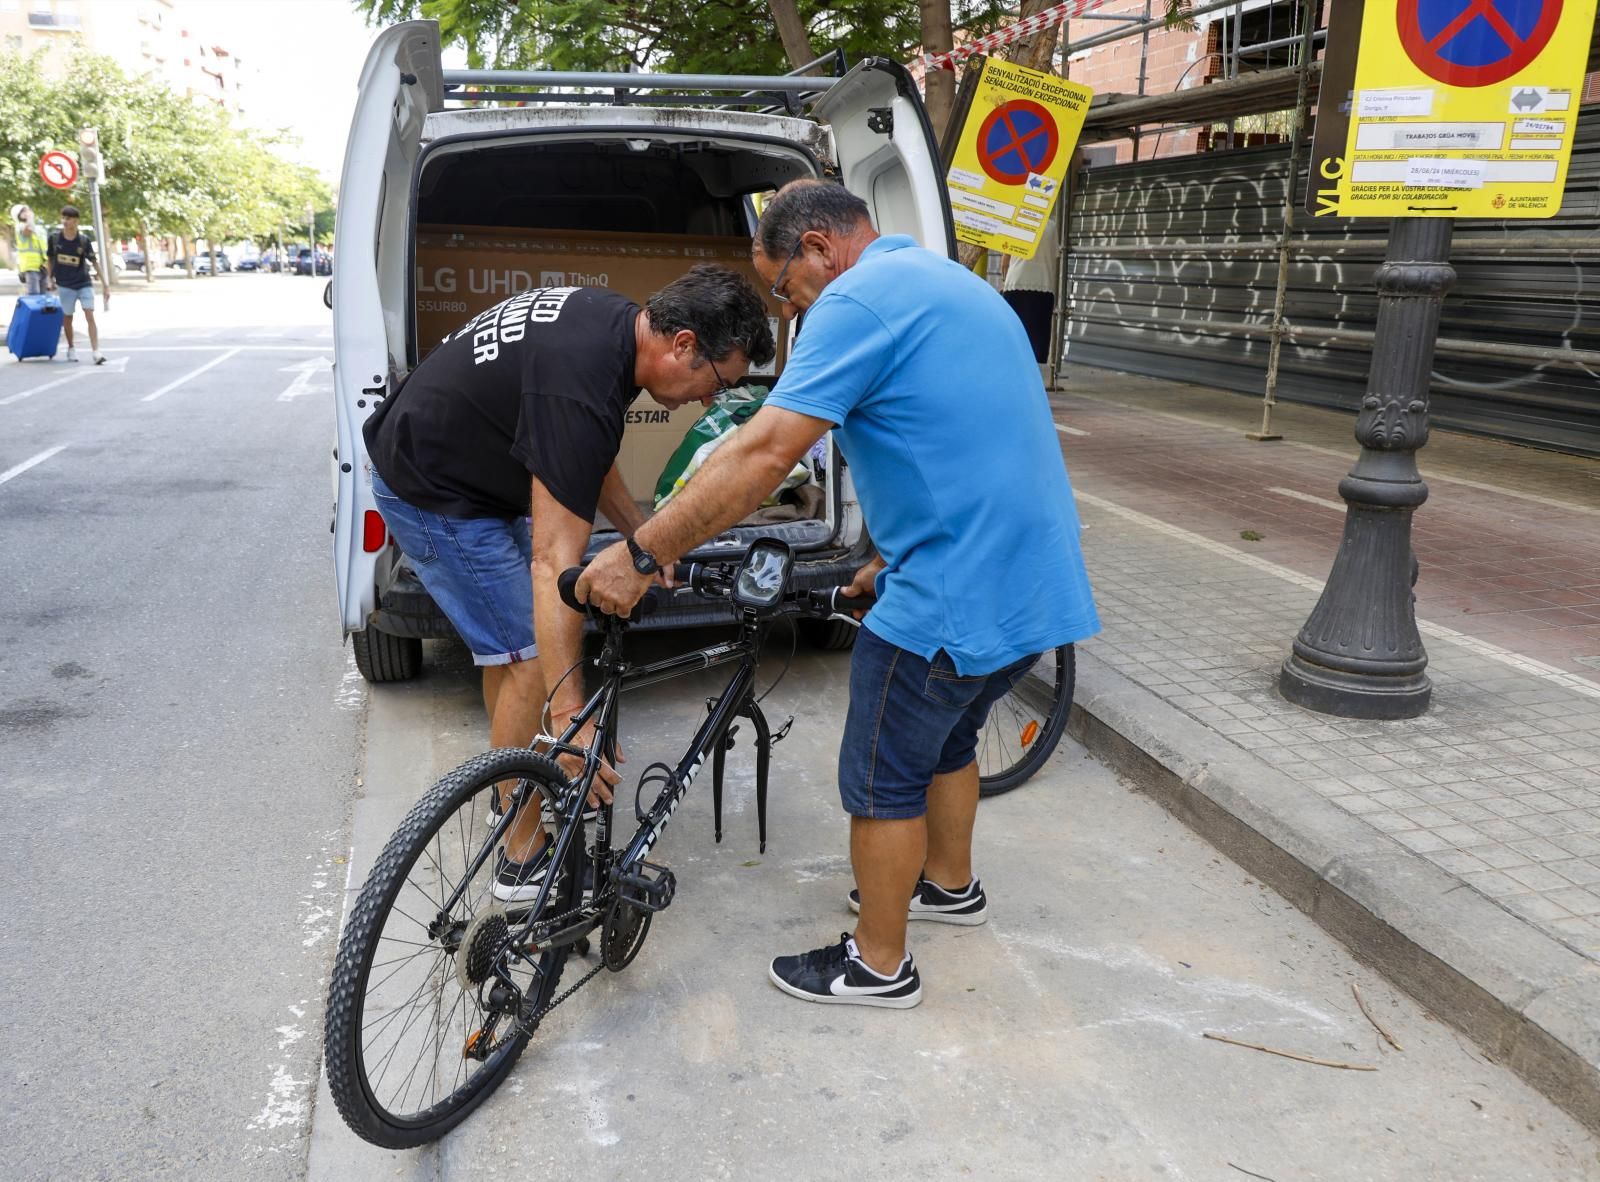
1025, 725
411, 1045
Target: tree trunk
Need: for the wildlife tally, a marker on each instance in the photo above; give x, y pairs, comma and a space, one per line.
144, 246
792, 32
938, 86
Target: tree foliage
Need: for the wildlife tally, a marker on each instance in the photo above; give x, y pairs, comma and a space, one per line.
717, 36
172, 164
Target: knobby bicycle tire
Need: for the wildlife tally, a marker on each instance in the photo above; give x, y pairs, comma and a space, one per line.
420, 836
1008, 755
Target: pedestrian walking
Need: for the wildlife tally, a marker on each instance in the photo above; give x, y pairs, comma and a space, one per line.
69, 257
927, 379
30, 250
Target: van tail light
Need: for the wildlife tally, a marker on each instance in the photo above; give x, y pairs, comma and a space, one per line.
373, 534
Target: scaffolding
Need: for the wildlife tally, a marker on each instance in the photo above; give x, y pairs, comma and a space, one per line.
1240, 92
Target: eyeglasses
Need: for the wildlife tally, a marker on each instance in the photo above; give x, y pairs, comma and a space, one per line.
722, 386
784, 270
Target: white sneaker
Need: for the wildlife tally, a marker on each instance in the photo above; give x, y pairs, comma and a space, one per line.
99, 358
72, 354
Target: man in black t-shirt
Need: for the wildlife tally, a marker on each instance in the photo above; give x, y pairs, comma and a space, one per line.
68, 259
520, 412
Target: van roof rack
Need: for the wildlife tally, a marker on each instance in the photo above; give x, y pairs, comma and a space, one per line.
786, 92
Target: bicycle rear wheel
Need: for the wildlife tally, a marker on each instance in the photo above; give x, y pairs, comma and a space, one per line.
1025, 725
407, 1000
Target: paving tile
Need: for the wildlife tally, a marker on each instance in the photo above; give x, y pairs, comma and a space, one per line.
1579, 871
1494, 884
1538, 878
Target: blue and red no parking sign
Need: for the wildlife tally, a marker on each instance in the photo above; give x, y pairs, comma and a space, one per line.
1017, 138
1476, 42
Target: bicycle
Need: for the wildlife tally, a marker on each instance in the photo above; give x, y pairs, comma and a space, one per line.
470, 979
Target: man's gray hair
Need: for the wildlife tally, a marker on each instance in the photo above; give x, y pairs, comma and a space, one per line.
808, 205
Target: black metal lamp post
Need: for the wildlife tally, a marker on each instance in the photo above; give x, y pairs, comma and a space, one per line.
1359, 654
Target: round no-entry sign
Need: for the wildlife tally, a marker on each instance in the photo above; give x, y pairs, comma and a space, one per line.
59, 170
1476, 42
1017, 138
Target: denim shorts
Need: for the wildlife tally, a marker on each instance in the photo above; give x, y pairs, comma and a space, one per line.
910, 720
476, 569
71, 297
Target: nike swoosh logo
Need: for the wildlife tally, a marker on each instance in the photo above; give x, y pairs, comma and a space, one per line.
839, 989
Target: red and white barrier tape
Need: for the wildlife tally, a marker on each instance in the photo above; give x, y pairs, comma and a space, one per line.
1047, 18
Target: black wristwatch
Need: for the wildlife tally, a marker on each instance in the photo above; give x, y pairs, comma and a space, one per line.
643, 561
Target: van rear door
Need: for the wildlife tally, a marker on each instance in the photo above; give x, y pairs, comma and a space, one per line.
401, 82
886, 152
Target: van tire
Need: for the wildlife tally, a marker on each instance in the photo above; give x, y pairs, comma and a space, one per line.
829, 635
382, 657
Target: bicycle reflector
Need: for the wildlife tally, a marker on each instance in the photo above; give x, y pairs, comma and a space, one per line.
764, 575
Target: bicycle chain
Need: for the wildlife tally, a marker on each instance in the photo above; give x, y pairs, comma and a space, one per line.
527, 1025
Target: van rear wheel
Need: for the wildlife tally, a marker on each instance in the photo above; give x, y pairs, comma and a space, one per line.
382, 656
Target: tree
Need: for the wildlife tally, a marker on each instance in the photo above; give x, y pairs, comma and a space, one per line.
721, 37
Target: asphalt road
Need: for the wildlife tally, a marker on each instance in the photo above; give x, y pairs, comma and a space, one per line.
178, 736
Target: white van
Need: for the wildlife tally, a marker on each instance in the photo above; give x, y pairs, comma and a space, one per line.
444, 211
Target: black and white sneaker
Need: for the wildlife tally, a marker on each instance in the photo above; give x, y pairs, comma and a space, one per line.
837, 975
546, 814
519, 882
968, 906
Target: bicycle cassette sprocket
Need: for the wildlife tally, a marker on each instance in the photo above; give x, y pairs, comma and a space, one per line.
486, 937
622, 934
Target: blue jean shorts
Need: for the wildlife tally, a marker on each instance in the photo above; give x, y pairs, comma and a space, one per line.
910, 720
476, 569
71, 297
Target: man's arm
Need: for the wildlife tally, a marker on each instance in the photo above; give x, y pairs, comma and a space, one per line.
559, 539
734, 481
616, 502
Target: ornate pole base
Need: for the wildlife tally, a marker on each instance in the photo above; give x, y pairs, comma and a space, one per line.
1359, 654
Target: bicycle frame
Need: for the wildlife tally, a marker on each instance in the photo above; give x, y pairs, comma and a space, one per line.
618, 675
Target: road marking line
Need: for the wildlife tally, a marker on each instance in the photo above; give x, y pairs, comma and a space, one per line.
234, 348
40, 389
1069, 430
190, 376
1309, 499
1522, 664
1500, 489
30, 463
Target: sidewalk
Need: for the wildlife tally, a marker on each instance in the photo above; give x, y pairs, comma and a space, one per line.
1460, 852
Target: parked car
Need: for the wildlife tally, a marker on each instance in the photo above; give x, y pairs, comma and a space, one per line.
302, 262
253, 262
444, 212
202, 263
133, 259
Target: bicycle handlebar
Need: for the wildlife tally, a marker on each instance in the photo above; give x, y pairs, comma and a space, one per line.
715, 581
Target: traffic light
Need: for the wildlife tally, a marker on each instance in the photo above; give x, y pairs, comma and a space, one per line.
89, 161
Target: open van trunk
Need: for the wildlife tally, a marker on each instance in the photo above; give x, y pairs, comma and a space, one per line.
508, 201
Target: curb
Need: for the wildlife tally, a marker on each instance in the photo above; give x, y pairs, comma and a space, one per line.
1529, 1002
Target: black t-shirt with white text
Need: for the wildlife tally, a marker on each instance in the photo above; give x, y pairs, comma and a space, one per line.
69, 260
537, 385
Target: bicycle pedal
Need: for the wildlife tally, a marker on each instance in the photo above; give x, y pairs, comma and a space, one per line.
650, 888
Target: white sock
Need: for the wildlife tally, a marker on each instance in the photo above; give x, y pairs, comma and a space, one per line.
850, 946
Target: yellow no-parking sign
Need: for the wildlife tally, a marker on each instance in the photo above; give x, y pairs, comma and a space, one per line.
1012, 156
1461, 108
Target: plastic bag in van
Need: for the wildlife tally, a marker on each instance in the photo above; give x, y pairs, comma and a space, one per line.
709, 432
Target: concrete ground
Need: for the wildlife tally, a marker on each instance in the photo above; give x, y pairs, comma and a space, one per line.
1458, 852
1062, 1039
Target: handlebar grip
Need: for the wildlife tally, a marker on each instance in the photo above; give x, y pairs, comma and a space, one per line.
839, 602
683, 573
567, 584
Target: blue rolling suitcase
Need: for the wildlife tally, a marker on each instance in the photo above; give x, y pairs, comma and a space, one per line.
35, 327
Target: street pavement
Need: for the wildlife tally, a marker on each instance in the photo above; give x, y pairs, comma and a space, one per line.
196, 781
1460, 851
178, 737
1063, 1039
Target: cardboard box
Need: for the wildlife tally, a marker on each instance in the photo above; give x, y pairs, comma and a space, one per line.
460, 273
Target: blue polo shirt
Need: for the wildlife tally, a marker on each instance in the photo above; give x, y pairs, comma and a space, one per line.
930, 382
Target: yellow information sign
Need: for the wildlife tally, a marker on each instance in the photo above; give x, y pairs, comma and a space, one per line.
1015, 146
1462, 109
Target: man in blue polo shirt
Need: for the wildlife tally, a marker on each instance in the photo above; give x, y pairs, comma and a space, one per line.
928, 380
